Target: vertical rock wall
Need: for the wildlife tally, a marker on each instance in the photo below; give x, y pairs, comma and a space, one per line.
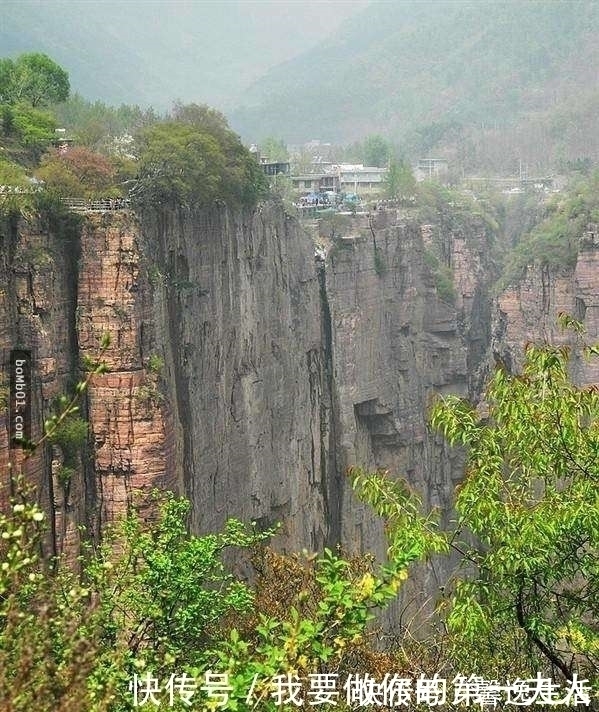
67, 282
238, 311
129, 416
527, 311
397, 341
38, 294
245, 373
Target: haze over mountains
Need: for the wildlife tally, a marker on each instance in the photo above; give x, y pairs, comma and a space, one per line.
428, 72
158, 51
488, 83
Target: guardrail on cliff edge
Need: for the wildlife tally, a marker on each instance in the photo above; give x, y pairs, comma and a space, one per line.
96, 206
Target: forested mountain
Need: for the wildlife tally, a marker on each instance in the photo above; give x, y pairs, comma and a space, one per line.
491, 84
433, 73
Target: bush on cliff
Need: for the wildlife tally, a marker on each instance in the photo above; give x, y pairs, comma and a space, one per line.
554, 243
194, 159
527, 531
153, 602
78, 173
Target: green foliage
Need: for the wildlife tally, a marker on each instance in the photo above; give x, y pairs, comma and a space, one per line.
442, 276
318, 616
12, 174
26, 131
27, 85
14, 190
96, 125
78, 173
46, 655
149, 597
554, 243
195, 159
166, 589
528, 510
400, 182
155, 364
33, 78
376, 151
451, 209
34, 128
70, 435
411, 535
274, 149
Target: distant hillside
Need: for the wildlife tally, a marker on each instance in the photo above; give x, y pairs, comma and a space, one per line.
463, 75
158, 51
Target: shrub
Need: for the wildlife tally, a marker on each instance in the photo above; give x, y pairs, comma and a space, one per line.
78, 173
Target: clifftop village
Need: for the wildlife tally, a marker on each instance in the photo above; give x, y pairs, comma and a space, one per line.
314, 182
323, 184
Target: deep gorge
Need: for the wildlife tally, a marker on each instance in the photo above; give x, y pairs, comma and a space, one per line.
249, 371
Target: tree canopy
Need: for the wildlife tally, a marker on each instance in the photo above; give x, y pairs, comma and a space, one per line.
400, 181
194, 158
528, 518
77, 173
28, 85
274, 149
33, 78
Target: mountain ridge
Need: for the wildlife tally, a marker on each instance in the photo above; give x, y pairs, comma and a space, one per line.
394, 68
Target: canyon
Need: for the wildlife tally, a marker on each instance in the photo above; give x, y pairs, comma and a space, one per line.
251, 363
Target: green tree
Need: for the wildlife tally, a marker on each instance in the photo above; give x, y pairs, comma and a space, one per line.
33, 78
528, 512
376, 151
274, 149
12, 174
34, 128
195, 158
400, 182
554, 242
78, 173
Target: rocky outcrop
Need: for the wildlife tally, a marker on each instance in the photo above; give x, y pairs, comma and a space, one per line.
237, 312
527, 311
131, 436
397, 341
37, 312
70, 281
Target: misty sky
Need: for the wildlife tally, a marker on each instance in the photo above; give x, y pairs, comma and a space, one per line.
193, 50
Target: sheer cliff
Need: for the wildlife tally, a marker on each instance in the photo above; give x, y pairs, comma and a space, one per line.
251, 363
526, 311
246, 372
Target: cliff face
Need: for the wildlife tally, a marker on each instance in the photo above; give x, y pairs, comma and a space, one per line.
527, 311
130, 433
68, 282
215, 388
398, 339
244, 372
37, 311
237, 308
